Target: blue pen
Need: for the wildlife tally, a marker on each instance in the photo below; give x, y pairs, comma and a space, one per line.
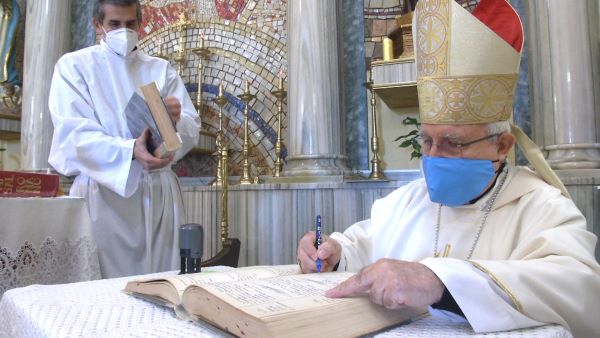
318, 241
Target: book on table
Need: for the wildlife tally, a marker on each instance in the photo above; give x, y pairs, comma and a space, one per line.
152, 113
28, 184
270, 301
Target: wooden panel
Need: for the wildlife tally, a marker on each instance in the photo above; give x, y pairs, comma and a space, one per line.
398, 95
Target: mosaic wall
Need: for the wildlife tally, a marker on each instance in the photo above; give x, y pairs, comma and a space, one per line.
247, 42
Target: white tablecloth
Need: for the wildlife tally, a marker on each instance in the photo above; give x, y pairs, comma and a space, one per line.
101, 309
45, 241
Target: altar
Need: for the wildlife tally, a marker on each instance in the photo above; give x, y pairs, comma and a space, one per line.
46, 241
101, 309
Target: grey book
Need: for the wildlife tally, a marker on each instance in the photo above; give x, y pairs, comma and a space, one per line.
163, 139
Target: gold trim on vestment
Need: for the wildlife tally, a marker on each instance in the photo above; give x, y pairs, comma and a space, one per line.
466, 99
433, 38
498, 282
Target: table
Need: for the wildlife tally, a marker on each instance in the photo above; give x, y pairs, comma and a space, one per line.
101, 309
46, 241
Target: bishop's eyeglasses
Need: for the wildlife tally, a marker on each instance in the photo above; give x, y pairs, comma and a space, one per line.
446, 146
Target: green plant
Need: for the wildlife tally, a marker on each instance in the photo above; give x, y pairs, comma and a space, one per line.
411, 140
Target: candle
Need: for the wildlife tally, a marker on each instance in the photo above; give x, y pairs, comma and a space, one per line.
388, 49
280, 86
246, 87
201, 39
221, 89
160, 45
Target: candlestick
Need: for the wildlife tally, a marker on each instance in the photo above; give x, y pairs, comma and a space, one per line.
202, 52
246, 98
376, 172
160, 53
221, 143
281, 74
181, 27
280, 94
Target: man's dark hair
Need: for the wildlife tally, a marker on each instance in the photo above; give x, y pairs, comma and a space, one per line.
99, 10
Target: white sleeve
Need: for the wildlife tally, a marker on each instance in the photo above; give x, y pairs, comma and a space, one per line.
484, 304
80, 144
356, 246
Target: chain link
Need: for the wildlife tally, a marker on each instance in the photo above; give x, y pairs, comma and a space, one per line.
486, 211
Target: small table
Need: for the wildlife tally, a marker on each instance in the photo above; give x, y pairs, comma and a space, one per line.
46, 241
101, 308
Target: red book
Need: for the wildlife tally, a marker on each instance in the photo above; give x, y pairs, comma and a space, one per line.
25, 184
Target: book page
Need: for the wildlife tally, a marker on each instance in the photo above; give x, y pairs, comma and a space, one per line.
267, 297
181, 282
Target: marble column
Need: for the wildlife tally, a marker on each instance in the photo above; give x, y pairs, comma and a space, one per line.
353, 79
47, 37
565, 79
314, 92
565, 100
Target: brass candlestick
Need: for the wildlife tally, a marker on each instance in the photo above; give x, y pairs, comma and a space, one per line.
202, 52
246, 98
180, 57
280, 94
220, 100
160, 53
376, 172
224, 193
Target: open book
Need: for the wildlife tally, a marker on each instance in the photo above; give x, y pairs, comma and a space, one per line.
151, 113
271, 301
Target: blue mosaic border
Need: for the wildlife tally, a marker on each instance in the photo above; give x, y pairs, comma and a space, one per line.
253, 116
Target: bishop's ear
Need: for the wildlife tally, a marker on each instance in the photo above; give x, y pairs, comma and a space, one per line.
505, 142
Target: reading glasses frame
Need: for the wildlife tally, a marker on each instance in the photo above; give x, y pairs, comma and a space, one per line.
448, 147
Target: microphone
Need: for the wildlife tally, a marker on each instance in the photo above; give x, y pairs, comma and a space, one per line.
190, 247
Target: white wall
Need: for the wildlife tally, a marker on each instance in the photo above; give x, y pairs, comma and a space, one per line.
11, 158
390, 127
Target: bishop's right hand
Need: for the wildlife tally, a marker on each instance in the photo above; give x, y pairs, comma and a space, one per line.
146, 159
329, 252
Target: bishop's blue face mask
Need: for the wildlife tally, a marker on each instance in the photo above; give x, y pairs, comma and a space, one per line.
456, 181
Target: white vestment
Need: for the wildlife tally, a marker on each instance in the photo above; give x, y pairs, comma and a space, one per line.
136, 213
533, 263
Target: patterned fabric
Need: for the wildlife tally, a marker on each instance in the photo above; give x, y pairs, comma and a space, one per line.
100, 309
51, 263
475, 99
454, 86
433, 38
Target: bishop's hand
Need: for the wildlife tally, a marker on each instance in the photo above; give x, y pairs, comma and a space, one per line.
329, 252
393, 284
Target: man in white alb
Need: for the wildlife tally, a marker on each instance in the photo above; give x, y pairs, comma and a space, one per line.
477, 239
134, 198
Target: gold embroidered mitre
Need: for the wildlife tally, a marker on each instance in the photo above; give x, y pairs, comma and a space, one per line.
466, 71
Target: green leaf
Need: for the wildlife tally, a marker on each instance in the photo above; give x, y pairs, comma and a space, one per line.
406, 144
401, 137
415, 154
